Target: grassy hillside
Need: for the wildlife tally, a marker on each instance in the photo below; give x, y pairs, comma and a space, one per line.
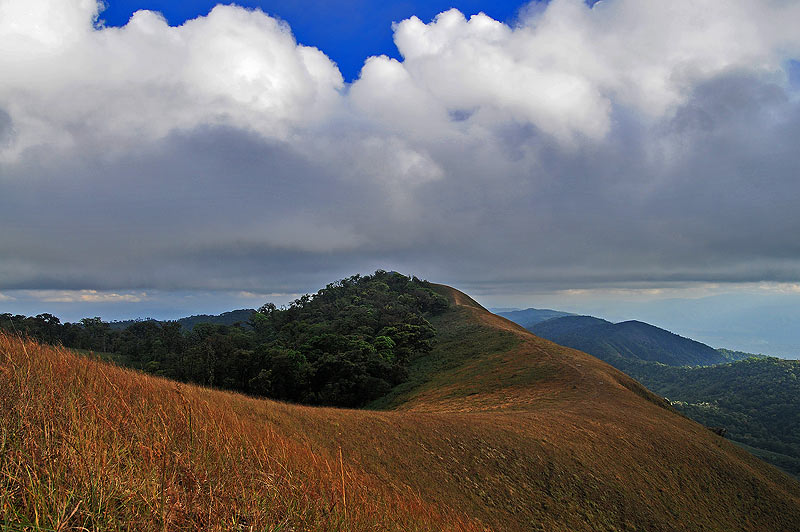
629, 339
755, 398
496, 429
87, 445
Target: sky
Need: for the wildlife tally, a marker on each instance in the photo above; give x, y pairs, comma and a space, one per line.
347, 31
172, 158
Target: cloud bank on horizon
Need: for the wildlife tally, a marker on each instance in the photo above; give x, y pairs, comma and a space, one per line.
628, 142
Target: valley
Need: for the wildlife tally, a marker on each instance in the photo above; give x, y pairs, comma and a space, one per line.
755, 399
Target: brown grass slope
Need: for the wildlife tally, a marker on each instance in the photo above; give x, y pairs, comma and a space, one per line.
496, 429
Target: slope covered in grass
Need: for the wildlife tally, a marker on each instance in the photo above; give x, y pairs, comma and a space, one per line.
88, 445
495, 429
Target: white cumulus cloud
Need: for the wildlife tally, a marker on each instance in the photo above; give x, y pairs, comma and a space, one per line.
565, 67
67, 83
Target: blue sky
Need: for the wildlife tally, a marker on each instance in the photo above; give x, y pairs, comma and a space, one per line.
348, 32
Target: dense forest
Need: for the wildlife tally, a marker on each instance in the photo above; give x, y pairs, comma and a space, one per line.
346, 345
757, 400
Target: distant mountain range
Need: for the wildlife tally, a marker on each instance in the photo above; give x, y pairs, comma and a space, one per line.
632, 340
629, 339
188, 323
531, 316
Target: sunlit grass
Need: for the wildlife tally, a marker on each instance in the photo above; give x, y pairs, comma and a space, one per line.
85, 445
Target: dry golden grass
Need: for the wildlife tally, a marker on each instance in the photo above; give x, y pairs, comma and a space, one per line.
85, 445
508, 432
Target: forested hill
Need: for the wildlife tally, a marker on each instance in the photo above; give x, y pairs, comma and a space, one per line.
346, 345
634, 340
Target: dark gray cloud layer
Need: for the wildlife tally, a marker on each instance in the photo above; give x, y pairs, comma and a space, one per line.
217, 208
482, 192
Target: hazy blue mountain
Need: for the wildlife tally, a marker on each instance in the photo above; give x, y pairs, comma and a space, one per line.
119, 325
226, 318
531, 316
767, 323
633, 340
188, 323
